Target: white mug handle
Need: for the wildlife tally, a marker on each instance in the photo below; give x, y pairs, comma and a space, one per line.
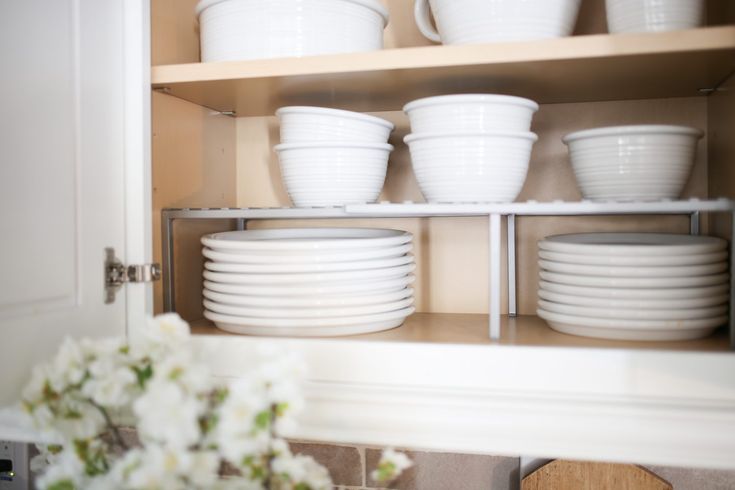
421, 11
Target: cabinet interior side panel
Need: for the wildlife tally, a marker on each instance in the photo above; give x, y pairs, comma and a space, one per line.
451, 253
174, 32
193, 166
721, 114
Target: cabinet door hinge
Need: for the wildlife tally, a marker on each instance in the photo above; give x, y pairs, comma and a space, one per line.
117, 274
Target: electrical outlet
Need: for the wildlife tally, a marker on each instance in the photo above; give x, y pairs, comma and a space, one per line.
14, 473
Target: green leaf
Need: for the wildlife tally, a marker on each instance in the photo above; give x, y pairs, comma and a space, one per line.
281, 409
302, 486
263, 420
176, 374
143, 374
125, 349
62, 485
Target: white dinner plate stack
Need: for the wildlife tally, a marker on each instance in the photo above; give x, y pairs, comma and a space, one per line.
308, 281
634, 286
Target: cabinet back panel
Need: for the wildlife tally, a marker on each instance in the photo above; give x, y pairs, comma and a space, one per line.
721, 144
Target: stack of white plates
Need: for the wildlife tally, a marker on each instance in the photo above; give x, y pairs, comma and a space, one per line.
634, 286
308, 281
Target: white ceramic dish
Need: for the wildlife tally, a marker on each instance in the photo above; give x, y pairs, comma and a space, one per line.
630, 271
252, 29
634, 260
310, 124
635, 304
323, 312
632, 313
319, 327
487, 21
666, 294
308, 258
318, 301
650, 330
325, 278
470, 112
455, 167
282, 241
632, 244
634, 282
653, 15
357, 265
336, 184
337, 289
612, 151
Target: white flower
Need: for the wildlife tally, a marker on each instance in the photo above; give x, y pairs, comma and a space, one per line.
167, 414
237, 434
163, 334
66, 468
153, 468
111, 384
391, 465
203, 469
302, 470
77, 419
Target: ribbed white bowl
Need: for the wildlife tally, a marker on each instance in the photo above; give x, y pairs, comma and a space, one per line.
333, 173
310, 124
485, 21
653, 15
633, 163
471, 113
251, 29
471, 167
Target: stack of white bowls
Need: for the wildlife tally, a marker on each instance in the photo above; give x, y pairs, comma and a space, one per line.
470, 148
251, 29
634, 286
633, 163
331, 157
308, 281
653, 15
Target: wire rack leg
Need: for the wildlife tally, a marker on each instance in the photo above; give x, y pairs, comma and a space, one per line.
494, 277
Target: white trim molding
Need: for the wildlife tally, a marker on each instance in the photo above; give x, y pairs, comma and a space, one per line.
646, 407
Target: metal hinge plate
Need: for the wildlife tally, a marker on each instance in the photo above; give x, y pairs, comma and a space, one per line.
117, 274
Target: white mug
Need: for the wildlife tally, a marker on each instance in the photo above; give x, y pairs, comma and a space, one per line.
653, 15
483, 21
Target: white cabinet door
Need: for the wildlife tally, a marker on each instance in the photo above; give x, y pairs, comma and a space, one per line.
72, 150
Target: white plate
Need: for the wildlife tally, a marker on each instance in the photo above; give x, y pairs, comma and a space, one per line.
307, 258
656, 244
305, 239
309, 278
634, 294
640, 304
632, 313
357, 299
319, 327
310, 313
338, 289
633, 260
630, 271
634, 282
650, 330
314, 267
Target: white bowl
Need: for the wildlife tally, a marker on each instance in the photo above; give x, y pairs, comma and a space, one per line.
252, 29
310, 124
653, 15
470, 112
486, 21
471, 167
633, 163
322, 173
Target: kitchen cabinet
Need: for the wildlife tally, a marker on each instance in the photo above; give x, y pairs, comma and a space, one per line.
439, 382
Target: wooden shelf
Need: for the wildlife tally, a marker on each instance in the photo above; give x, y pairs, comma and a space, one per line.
526, 330
572, 69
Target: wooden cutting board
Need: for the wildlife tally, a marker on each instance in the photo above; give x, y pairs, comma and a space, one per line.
579, 475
